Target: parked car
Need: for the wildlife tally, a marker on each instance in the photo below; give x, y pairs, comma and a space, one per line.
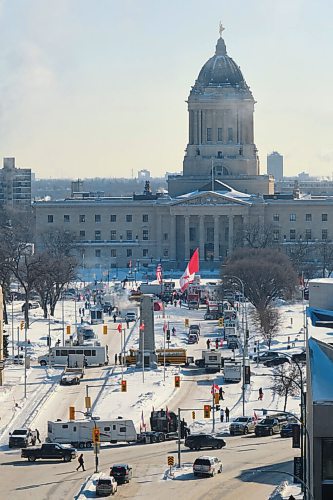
49, 451
299, 357
287, 429
193, 304
130, 316
212, 315
194, 329
21, 438
106, 485
208, 466
269, 426
276, 361
198, 441
121, 472
242, 425
70, 379
265, 356
192, 338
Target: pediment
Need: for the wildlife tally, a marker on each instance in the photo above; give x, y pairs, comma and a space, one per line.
209, 198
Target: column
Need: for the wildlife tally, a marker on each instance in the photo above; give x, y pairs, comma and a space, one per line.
159, 237
231, 234
187, 237
173, 237
216, 238
202, 237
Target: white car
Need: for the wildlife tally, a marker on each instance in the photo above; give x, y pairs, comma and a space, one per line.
207, 466
130, 316
106, 485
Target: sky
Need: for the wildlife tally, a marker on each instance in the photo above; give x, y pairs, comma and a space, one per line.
97, 88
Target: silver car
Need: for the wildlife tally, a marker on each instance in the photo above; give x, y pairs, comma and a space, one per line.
207, 466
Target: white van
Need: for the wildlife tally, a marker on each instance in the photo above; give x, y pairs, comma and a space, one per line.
93, 355
79, 432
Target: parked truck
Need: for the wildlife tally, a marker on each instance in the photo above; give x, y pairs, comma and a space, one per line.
79, 432
164, 426
49, 451
232, 371
74, 370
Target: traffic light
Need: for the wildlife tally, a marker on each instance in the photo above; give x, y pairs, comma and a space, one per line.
247, 373
207, 409
221, 322
216, 398
296, 432
193, 415
105, 329
168, 335
87, 401
96, 435
247, 334
123, 386
177, 381
72, 413
21, 325
68, 329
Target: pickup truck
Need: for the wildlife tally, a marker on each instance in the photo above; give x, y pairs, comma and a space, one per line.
49, 451
242, 425
269, 426
21, 438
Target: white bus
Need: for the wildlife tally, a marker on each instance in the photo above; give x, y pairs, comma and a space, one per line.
79, 432
93, 355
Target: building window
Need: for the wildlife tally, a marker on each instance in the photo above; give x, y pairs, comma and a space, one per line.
128, 218
209, 134
324, 217
113, 235
308, 217
50, 218
97, 253
292, 217
324, 234
165, 236
82, 234
113, 252
129, 252
210, 234
276, 217
145, 252
97, 235
66, 218
97, 218
327, 459
230, 135
276, 235
219, 155
308, 234
145, 218
165, 252
192, 234
82, 218
292, 234
129, 235
113, 218
145, 234
219, 134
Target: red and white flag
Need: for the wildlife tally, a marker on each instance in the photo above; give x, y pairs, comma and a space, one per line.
215, 389
168, 416
143, 426
191, 268
159, 273
142, 326
165, 326
119, 328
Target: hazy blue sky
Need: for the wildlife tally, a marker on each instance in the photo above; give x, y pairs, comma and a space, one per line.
98, 87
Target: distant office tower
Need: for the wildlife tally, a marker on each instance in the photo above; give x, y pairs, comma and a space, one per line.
15, 185
275, 165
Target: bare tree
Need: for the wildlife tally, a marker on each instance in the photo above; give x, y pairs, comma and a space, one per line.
258, 235
286, 381
268, 322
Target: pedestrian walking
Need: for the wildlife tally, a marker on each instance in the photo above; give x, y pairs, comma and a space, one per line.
261, 394
127, 324
221, 393
114, 318
222, 415
115, 358
81, 463
216, 343
83, 311
119, 357
173, 330
227, 413
208, 344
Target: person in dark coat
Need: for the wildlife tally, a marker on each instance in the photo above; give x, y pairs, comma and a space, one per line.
208, 343
37, 435
81, 463
221, 393
114, 318
227, 413
217, 343
261, 394
115, 358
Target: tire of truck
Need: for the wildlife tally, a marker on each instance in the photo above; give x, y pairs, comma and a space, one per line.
32, 459
42, 363
81, 445
271, 432
219, 446
232, 433
88, 444
246, 430
161, 438
67, 458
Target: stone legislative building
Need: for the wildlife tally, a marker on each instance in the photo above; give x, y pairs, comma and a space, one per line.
219, 193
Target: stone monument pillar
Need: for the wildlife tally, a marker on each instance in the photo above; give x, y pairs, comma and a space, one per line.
146, 332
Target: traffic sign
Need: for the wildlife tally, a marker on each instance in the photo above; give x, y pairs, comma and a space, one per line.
171, 460
187, 322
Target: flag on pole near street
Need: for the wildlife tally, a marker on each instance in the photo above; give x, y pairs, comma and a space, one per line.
168, 414
255, 416
143, 426
159, 273
119, 328
142, 326
189, 273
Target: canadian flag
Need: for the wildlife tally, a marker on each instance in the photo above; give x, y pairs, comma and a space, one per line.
142, 327
159, 273
191, 268
143, 426
255, 417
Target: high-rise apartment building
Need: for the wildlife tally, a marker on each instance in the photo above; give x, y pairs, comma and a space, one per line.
15, 185
275, 165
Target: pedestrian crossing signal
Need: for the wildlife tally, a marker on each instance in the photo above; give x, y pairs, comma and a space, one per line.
177, 381
207, 409
96, 436
123, 386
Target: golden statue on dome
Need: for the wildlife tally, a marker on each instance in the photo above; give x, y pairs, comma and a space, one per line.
221, 29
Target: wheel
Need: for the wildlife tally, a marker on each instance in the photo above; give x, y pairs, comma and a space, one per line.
219, 446
42, 363
161, 438
197, 449
232, 433
246, 430
81, 445
195, 474
31, 459
67, 458
271, 432
88, 444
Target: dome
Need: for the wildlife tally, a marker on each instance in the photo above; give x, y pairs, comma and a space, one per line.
220, 70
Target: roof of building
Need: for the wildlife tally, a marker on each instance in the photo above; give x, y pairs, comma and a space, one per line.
321, 370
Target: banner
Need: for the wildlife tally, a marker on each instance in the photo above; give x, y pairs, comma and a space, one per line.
191, 268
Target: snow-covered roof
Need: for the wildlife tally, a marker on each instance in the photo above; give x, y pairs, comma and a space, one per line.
321, 370
231, 195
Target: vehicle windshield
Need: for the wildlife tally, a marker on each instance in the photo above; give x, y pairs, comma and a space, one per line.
104, 481
119, 469
19, 432
267, 421
241, 419
202, 461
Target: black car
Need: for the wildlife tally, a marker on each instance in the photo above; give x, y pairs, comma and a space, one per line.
287, 429
265, 356
299, 357
121, 472
198, 441
278, 360
269, 426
